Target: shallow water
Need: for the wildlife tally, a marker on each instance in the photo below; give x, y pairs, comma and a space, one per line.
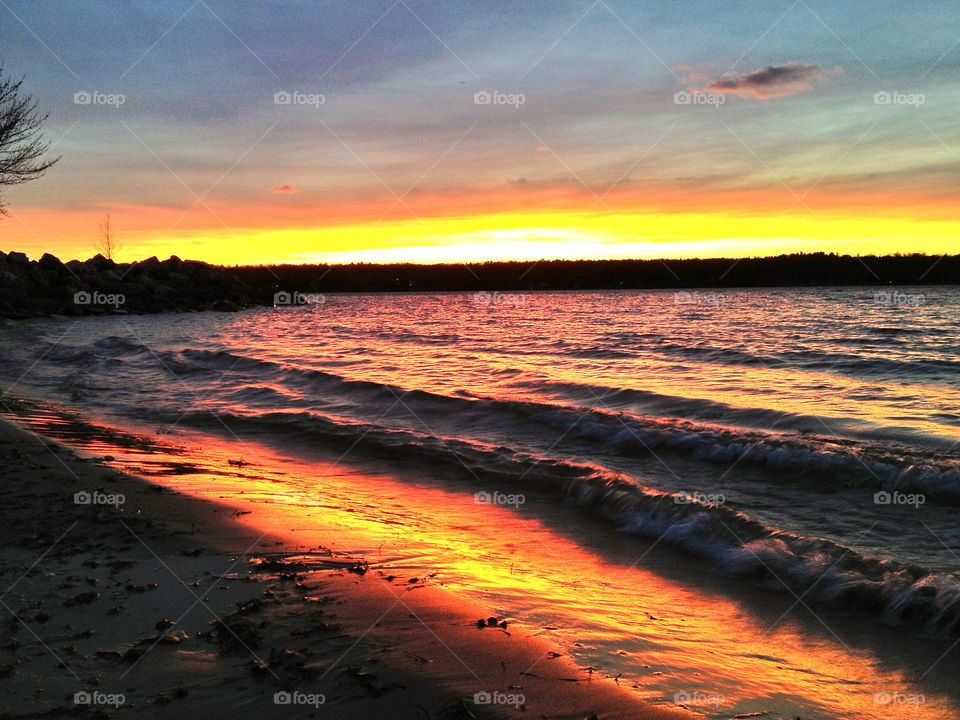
780, 413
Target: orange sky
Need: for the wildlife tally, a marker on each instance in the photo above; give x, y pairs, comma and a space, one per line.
447, 133
552, 223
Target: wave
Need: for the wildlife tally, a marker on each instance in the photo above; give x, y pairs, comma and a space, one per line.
803, 446
512, 444
815, 360
439, 339
825, 572
820, 570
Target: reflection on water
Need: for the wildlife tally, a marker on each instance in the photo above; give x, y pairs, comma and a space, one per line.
652, 615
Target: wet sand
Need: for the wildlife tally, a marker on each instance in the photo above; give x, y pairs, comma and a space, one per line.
136, 597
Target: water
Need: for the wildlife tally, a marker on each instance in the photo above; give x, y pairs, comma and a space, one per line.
780, 464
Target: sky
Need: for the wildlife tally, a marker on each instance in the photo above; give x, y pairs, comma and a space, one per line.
444, 130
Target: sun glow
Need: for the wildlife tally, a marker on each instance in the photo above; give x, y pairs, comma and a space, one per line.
254, 238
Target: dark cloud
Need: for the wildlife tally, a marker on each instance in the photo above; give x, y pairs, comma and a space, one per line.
285, 189
769, 82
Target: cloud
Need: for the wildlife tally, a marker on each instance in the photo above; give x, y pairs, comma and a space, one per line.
285, 189
772, 81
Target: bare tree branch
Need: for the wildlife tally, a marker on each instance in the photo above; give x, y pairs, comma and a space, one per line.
107, 243
21, 138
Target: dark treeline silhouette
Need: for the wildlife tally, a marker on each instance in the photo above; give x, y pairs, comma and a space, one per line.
801, 269
99, 285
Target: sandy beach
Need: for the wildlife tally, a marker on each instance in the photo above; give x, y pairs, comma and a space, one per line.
123, 596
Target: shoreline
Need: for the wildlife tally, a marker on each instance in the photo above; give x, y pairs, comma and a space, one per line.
101, 286
699, 637
91, 615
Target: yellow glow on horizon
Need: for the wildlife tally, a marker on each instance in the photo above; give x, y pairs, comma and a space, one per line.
565, 234
514, 236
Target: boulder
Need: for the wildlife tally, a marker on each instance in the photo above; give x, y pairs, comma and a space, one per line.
8, 278
99, 262
51, 262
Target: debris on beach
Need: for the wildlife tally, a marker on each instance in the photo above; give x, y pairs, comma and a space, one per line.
290, 666
84, 598
235, 635
492, 622
359, 568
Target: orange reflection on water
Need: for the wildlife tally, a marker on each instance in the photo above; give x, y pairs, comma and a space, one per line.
658, 617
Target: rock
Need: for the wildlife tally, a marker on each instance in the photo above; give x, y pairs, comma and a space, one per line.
48, 286
51, 262
99, 262
84, 598
240, 636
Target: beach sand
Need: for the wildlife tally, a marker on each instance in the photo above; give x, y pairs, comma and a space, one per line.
162, 604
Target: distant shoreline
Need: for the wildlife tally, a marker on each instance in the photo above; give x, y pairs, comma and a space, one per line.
34, 288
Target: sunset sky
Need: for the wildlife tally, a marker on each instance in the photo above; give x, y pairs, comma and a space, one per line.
446, 130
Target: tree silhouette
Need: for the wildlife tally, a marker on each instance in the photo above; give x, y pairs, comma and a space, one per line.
21, 138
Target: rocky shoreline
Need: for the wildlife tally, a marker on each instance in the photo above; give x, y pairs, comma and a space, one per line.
48, 286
